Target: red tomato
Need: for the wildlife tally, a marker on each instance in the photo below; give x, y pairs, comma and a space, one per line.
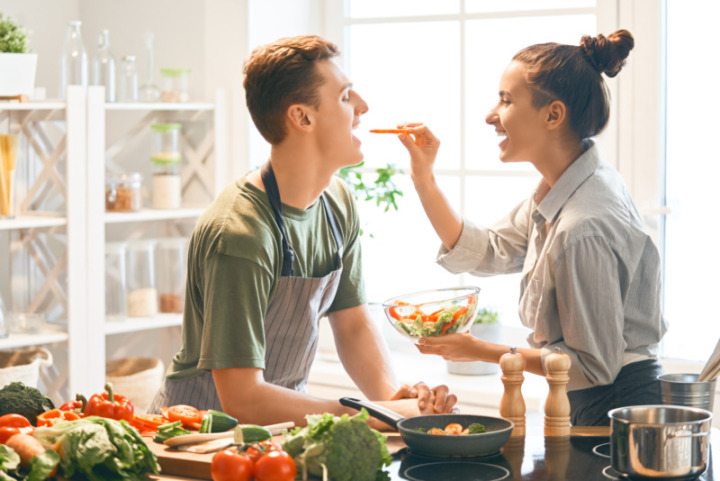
11, 424
256, 450
231, 465
188, 415
275, 466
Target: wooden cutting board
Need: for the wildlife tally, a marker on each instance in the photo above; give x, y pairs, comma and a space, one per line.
193, 465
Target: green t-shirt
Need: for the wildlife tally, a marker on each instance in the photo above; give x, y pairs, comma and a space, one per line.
235, 262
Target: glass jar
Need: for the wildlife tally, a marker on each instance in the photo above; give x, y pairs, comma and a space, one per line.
122, 192
170, 272
142, 299
175, 84
166, 185
115, 281
128, 80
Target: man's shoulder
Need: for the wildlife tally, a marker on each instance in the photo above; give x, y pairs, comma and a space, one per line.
235, 221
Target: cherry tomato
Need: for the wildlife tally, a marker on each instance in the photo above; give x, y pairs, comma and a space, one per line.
11, 424
256, 450
231, 465
275, 466
188, 415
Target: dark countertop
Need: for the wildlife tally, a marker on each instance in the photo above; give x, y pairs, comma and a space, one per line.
532, 457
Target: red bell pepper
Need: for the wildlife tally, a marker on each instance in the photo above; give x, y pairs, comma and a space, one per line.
52, 417
12, 424
110, 405
76, 406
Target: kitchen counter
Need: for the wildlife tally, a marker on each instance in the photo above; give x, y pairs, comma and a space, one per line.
533, 457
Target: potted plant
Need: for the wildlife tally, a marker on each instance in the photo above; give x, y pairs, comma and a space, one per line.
17, 65
486, 327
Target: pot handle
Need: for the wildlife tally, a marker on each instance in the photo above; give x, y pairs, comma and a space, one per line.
378, 412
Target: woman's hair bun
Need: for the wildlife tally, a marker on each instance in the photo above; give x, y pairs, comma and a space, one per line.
608, 54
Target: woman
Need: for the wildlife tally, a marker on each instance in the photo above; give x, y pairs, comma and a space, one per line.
590, 274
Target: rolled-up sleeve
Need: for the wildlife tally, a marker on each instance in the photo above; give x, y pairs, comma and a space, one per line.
481, 251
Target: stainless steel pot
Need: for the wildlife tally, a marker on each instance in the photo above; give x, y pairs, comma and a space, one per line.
659, 441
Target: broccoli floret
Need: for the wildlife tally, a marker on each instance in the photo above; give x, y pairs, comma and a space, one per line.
18, 398
339, 448
476, 428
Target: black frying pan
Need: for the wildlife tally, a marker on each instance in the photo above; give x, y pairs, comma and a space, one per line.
497, 432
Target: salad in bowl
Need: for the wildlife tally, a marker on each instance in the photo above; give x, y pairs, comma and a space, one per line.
433, 313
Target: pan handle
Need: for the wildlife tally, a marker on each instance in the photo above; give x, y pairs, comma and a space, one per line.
378, 412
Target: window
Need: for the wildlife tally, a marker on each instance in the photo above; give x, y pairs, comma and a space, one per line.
440, 63
692, 169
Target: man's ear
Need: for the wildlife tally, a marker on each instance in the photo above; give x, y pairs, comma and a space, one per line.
300, 117
556, 114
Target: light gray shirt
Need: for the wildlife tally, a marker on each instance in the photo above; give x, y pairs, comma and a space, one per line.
590, 274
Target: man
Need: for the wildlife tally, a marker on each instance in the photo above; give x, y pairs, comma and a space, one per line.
262, 272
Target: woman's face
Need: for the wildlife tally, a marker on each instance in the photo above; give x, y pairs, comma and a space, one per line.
519, 124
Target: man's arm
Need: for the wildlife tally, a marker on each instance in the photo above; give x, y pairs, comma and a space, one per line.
363, 352
245, 395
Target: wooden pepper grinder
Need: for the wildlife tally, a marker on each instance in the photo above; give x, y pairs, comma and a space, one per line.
557, 404
512, 404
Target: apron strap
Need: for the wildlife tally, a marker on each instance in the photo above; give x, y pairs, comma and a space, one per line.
268, 177
335, 230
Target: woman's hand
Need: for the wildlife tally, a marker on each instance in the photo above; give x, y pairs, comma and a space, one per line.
423, 147
452, 347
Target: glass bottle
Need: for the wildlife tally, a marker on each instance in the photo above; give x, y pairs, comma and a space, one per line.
166, 183
115, 281
103, 66
128, 84
142, 298
73, 61
149, 92
170, 273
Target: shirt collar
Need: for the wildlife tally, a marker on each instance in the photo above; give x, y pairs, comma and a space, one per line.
573, 177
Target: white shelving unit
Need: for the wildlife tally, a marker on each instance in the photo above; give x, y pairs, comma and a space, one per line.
71, 178
47, 236
204, 165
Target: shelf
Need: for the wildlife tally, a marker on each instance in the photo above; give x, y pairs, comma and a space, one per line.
134, 324
170, 106
49, 335
39, 105
31, 222
153, 214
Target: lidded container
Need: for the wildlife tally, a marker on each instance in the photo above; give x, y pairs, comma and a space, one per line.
115, 281
175, 84
142, 298
166, 186
170, 271
123, 192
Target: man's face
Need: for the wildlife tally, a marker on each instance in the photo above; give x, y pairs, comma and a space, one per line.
337, 115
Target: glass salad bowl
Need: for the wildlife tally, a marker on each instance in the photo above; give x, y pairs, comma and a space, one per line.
433, 313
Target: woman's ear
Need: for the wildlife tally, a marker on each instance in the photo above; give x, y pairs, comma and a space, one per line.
300, 117
556, 114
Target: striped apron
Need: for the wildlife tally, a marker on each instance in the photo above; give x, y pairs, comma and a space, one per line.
291, 321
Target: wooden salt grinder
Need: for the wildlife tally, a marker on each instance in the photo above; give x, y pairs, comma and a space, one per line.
512, 404
557, 404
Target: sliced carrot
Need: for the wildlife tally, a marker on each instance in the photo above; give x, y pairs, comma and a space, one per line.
391, 131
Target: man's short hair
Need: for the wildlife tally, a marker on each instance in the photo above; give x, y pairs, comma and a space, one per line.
280, 74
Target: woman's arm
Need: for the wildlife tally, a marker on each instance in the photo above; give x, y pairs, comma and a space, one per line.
423, 150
